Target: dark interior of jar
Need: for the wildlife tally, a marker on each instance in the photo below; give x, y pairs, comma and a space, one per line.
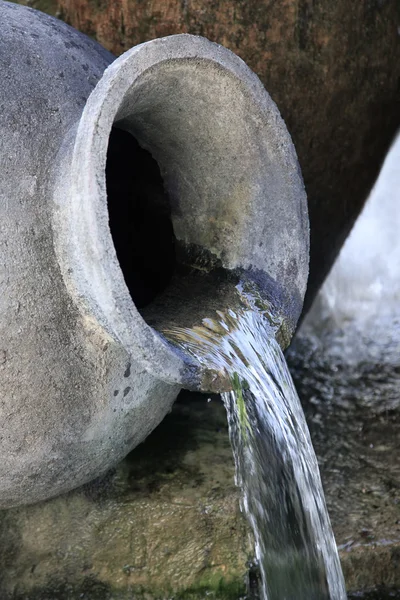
139, 218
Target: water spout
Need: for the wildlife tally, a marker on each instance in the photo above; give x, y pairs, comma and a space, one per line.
276, 467
135, 193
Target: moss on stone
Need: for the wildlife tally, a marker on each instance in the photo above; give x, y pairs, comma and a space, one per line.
90, 588
165, 524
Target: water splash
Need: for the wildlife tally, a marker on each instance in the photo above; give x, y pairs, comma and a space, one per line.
355, 318
276, 466
365, 279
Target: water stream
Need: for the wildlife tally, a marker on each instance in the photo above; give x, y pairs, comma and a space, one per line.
276, 466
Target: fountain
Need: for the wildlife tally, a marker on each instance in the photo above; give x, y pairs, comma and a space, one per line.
140, 196
276, 467
86, 222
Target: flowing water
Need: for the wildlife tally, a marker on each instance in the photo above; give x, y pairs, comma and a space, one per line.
276, 466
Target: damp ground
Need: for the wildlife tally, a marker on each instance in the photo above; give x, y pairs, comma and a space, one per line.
166, 524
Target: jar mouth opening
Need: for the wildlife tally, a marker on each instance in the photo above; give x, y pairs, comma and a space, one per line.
139, 218
177, 163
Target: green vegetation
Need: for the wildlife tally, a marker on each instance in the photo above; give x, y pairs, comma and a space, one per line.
214, 588
238, 387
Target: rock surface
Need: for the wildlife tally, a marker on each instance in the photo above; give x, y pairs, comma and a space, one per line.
166, 523
353, 413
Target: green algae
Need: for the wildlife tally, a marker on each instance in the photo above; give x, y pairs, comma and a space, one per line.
238, 387
214, 588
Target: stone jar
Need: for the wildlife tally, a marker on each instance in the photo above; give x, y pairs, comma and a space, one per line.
134, 193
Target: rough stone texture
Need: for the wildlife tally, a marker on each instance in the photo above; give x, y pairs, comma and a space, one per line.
166, 523
333, 69
56, 401
83, 377
352, 404
225, 156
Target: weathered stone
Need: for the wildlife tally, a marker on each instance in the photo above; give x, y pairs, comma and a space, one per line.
166, 523
333, 68
83, 376
352, 405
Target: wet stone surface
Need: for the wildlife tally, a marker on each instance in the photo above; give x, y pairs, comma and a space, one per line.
377, 594
166, 523
168, 517
353, 411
